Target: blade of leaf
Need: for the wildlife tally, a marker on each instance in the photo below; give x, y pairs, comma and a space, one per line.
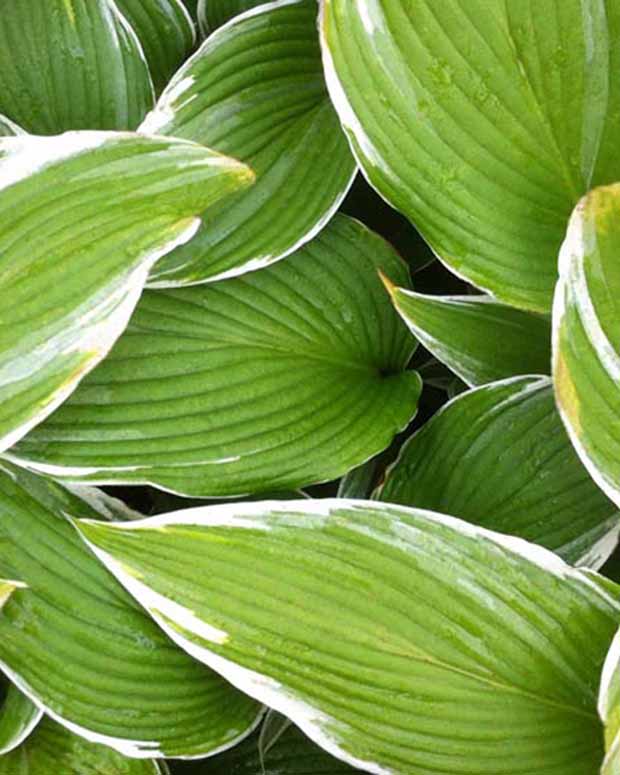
77, 645
255, 91
586, 344
399, 640
214, 13
53, 749
166, 32
483, 121
499, 456
18, 718
609, 707
97, 209
272, 381
479, 339
71, 64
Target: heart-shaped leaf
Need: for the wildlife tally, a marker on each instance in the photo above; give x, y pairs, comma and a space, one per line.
71, 64
401, 641
77, 645
484, 121
83, 218
166, 32
18, 718
477, 338
586, 359
255, 91
609, 708
274, 380
53, 749
214, 13
499, 456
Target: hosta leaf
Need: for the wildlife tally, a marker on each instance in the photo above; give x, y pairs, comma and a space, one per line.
586, 360
255, 91
166, 32
214, 13
96, 210
479, 339
79, 647
609, 708
18, 717
499, 456
9, 128
400, 640
71, 64
192, 8
274, 380
53, 749
484, 121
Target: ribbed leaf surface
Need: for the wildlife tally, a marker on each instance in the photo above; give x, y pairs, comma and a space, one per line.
78, 646
255, 91
214, 13
166, 33
274, 380
18, 717
96, 210
484, 121
587, 336
71, 64
400, 640
53, 749
498, 456
478, 339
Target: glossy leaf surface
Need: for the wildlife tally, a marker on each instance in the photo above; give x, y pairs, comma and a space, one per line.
399, 640
274, 380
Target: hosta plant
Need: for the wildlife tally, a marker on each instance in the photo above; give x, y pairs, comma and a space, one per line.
309, 387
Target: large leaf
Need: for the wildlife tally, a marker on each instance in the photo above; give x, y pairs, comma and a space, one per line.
18, 717
96, 210
479, 339
71, 64
53, 749
609, 708
77, 645
255, 91
399, 640
499, 456
214, 13
275, 380
586, 359
166, 32
484, 121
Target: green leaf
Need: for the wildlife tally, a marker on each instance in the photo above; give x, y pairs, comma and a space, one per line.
479, 339
609, 708
255, 91
586, 338
214, 13
192, 8
271, 381
18, 718
499, 456
77, 645
9, 128
166, 32
53, 749
399, 640
96, 211
291, 754
71, 64
484, 121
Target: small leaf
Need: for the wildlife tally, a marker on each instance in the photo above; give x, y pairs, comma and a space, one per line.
271, 381
77, 645
483, 121
586, 339
255, 91
18, 718
96, 210
398, 640
71, 64
53, 749
479, 339
214, 13
498, 456
166, 32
